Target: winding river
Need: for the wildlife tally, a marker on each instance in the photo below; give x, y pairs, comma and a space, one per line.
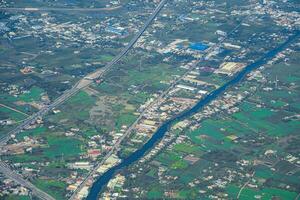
158, 135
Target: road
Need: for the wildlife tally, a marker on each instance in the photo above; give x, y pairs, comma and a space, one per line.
30, 120
117, 144
13, 109
86, 81
240, 191
129, 130
114, 61
18, 178
46, 9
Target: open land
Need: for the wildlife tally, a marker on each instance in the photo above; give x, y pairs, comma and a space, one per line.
241, 145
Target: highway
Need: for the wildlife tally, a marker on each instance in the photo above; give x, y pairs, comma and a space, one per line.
125, 135
129, 130
4, 168
137, 36
30, 120
46, 9
114, 61
159, 98
84, 82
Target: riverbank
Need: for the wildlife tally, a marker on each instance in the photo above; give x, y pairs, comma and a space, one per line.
158, 135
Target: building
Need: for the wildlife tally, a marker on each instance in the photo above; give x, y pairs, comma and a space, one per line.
185, 87
230, 68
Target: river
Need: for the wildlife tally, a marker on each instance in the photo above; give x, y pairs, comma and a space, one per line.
158, 135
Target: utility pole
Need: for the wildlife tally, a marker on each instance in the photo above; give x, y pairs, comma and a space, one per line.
140, 65
62, 157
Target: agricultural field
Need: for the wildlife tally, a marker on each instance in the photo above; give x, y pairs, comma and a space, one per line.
246, 154
203, 105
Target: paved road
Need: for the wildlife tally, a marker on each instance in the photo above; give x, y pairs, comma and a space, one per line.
30, 120
30, 9
100, 73
114, 61
13, 109
240, 191
4, 168
129, 130
86, 81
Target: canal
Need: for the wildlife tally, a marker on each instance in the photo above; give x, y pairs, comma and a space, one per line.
158, 135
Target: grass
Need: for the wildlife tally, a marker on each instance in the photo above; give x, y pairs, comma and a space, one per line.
167, 158
129, 107
136, 99
208, 127
152, 173
186, 148
264, 173
125, 119
81, 98
232, 191
77, 108
155, 193
33, 95
107, 88
16, 197
187, 194
58, 146
25, 158
32, 133
267, 193
53, 187
106, 58
278, 104
8, 113
91, 132
7, 98
150, 76
284, 194
261, 120
180, 164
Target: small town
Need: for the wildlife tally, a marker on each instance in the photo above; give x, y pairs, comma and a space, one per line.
161, 99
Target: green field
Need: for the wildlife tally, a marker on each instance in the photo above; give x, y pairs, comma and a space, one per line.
62, 146
56, 149
32, 133
76, 108
33, 95
53, 187
11, 114
185, 148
